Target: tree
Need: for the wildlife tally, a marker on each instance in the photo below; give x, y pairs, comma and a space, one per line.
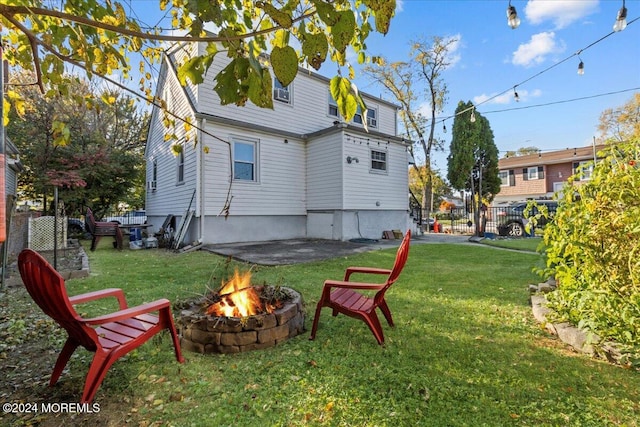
410, 83
103, 157
417, 178
99, 37
623, 123
523, 151
473, 157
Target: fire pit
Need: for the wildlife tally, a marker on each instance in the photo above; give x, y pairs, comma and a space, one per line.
240, 317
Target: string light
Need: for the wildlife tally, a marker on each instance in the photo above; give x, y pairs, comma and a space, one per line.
580, 67
473, 115
512, 17
515, 94
621, 19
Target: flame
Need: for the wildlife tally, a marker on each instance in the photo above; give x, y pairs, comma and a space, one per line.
238, 298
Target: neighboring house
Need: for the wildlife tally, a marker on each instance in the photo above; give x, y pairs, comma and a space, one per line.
255, 174
538, 176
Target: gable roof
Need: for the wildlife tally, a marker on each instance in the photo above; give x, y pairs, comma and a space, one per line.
567, 155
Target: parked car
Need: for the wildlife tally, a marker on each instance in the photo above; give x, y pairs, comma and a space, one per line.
75, 227
128, 218
513, 219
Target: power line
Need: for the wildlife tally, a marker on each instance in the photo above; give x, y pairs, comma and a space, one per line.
578, 52
562, 101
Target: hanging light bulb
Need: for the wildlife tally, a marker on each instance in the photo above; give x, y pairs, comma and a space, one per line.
581, 68
473, 116
512, 17
515, 95
621, 20
444, 127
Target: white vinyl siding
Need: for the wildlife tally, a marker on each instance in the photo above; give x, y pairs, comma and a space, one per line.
376, 191
168, 197
310, 109
280, 189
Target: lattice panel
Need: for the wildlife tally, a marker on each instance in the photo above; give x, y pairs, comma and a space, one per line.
41, 233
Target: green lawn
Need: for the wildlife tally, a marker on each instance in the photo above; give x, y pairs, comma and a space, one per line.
465, 351
523, 244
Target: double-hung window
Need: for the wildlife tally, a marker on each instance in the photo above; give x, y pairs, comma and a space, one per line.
378, 161
245, 160
372, 118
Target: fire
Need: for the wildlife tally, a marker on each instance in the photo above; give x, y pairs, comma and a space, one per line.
238, 298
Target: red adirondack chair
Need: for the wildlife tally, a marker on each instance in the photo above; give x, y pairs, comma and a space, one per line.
342, 296
109, 337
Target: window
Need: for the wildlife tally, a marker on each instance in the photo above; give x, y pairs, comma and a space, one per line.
535, 172
504, 178
180, 166
281, 93
507, 178
333, 106
244, 160
585, 169
372, 118
378, 160
357, 118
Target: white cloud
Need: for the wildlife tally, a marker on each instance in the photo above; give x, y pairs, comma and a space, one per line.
561, 12
453, 55
536, 50
399, 6
507, 97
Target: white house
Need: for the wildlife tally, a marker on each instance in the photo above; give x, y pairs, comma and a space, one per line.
255, 174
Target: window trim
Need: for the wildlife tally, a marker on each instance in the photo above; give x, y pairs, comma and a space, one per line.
278, 88
332, 103
372, 169
180, 166
255, 143
370, 119
579, 167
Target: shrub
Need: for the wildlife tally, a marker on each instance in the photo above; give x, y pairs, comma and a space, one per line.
593, 250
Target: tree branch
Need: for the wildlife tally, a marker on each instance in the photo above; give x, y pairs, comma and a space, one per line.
8, 11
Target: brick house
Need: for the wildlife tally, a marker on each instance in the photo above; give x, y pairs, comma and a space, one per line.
539, 175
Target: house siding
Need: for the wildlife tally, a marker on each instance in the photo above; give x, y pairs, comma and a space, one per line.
303, 187
171, 196
557, 167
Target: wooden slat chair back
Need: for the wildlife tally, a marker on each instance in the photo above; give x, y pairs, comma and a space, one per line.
97, 229
343, 296
110, 336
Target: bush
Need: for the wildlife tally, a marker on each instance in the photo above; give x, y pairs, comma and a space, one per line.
593, 250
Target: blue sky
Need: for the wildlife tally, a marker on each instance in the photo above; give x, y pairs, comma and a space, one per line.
490, 59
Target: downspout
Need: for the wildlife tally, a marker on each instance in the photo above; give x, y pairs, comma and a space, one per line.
201, 175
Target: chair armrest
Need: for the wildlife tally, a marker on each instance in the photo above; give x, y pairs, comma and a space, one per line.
365, 270
91, 296
352, 285
129, 312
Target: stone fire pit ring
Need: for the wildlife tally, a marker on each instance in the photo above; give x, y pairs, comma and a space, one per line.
205, 334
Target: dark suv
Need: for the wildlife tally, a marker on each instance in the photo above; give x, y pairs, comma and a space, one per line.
512, 220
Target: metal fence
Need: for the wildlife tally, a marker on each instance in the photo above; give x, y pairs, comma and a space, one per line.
492, 220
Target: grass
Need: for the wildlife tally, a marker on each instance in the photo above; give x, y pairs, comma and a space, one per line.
465, 352
523, 244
